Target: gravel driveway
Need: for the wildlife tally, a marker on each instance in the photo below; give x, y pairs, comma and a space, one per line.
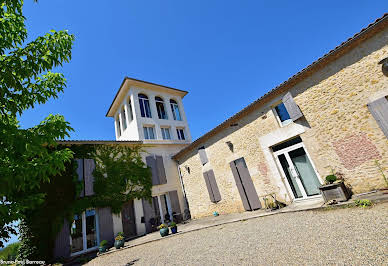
352, 236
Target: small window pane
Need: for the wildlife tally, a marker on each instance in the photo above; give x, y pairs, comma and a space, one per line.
118, 126
151, 132
76, 234
145, 133
91, 229
180, 134
166, 133
282, 112
124, 118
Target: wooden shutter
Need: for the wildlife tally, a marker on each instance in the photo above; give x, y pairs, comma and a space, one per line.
292, 108
105, 222
202, 156
80, 173
379, 110
148, 212
240, 187
212, 187
62, 242
161, 170
151, 162
208, 186
89, 179
175, 206
247, 183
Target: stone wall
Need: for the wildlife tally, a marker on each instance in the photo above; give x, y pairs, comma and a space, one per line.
337, 130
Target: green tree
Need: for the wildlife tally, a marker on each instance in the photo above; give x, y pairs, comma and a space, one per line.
27, 156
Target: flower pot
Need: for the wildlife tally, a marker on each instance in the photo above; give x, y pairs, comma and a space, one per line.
335, 191
164, 231
119, 244
102, 249
174, 229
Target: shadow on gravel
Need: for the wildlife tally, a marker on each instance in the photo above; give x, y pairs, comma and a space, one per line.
132, 262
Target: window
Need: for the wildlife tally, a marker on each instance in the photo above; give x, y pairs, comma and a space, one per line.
130, 117
144, 106
124, 118
160, 108
181, 133
282, 114
166, 133
175, 110
149, 133
118, 126
84, 232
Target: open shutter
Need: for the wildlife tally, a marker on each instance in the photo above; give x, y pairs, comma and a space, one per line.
151, 162
240, 188
80, 173
202, 156
105, 223
175, 207
89, 179
62, 242
292, 108
148, 212
209, 187
161, 170
213, 184
379, 110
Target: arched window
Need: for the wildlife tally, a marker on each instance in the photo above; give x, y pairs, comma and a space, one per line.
144, 106
175, 110
160, 107
130, 115
124, 118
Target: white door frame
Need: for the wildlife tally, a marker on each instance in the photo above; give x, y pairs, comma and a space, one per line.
285, 151
169, 210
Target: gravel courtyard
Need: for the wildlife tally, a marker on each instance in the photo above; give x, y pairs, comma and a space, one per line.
351, 236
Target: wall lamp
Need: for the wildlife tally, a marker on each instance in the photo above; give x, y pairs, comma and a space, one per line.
230, 145
187, 169
384, 66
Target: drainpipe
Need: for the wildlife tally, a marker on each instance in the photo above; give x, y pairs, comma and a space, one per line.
186, 215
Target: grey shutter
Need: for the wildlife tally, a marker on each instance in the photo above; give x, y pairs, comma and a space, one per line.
213, 184
151, 162
292, 108
148, 212
161, 170
247, 183
89, 179
240, 188
379, 110
80, 173
208, 186
175, 207
105, 222
62, 242
203, 156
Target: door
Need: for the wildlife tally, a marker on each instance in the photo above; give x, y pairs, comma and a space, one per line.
128, 219
84, 235
245, 185
298, 170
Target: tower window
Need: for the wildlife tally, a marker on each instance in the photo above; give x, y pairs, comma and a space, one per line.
118, 126
175, 110
166, 133
130, 115
124, 118
181, 133
160, 107
149, 132
144, 106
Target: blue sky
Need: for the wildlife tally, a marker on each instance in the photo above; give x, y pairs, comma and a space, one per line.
225, 53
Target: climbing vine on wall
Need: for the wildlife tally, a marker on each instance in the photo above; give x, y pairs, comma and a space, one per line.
119, 176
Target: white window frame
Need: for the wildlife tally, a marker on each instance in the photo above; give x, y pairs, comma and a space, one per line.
84, 241
169, 132
281, 123
164, 107
123, 115
118, 125
147, 128
172, 105
178, 133
141, 99
129, 110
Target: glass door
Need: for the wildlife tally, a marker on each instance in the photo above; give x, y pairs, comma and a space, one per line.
298, 170
84, 232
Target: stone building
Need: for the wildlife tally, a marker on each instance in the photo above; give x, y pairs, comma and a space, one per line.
329, 117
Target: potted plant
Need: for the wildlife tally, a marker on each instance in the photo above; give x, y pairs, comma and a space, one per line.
173, 227
163, 230
119, 240
334, 189
103, 246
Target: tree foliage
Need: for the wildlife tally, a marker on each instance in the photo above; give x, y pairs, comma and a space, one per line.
27, 158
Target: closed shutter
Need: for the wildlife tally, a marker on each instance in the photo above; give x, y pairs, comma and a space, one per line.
379, 110
105, 222
161, 170
62, 242
202, 156
151, 162
89, 179
212, 187
175, 207
80, 173
292, 108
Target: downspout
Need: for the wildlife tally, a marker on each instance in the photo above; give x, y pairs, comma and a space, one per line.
186, 214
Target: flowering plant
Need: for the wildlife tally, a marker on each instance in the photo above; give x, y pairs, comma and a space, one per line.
119, 237
162, 226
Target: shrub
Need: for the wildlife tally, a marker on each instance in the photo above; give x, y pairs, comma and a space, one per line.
172, 224
331, 179
103, 243
363, 203
120, 234
10, 252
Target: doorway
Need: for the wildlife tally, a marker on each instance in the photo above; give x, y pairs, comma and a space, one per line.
297, 168
128, 220
84, 233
